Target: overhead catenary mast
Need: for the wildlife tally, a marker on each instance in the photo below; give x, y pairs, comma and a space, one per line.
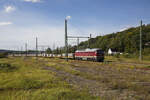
78, 37
66, 41
21, 51
26, 49
67, 37
140, 57
36, 47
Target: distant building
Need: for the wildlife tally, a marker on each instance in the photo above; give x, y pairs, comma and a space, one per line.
147, 44
112, 51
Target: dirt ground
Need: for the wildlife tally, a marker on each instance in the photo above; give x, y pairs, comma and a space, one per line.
109, 80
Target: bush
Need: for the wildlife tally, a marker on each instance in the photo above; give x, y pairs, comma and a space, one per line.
126, 55
3, 55
146, 51
27, 83
146, 58
5, 67
117, 55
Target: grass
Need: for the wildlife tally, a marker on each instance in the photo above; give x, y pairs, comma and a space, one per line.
25, 78
6, 67
46, 94
30, 82
117, 76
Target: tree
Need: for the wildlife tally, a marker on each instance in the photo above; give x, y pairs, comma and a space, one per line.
48, 50
125, 41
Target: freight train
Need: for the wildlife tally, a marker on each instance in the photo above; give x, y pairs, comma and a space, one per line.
90, 54
85, 54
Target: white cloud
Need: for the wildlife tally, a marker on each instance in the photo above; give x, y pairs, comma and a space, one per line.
5, 23
33, 1
68, 17
125, 28
9, 9
47, 35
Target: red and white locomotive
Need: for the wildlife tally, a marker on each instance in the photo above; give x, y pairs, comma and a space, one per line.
90, 54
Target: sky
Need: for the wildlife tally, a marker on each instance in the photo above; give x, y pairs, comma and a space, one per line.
21, 21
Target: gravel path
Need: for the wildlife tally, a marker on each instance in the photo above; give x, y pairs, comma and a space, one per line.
94, 87
109, 82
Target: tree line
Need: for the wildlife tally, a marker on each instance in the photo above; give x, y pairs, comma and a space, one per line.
125, 41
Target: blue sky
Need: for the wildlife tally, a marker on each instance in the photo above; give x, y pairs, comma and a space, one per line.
23, 20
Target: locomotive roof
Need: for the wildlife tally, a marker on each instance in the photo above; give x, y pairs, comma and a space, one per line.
88, 50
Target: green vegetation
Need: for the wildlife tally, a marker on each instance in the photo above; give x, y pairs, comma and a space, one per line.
29, 81
5, 67
48, 51
117, 78
121, 74
126, 42
3, 55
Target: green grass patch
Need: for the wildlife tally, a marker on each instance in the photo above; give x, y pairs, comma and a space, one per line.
31, 82
59, 93
148, 66
6, 67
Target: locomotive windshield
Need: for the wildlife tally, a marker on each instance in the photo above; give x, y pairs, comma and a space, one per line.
100, 52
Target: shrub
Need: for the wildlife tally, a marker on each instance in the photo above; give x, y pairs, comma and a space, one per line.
27, 83
126, 55
119, 85
146, 51
5, 67
3, 55
117, 55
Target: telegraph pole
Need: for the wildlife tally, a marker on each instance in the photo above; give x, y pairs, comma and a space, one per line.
36, 47
140, 57
77, 42
26, 49
66, 41
21, 51
78, 37
89, 40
